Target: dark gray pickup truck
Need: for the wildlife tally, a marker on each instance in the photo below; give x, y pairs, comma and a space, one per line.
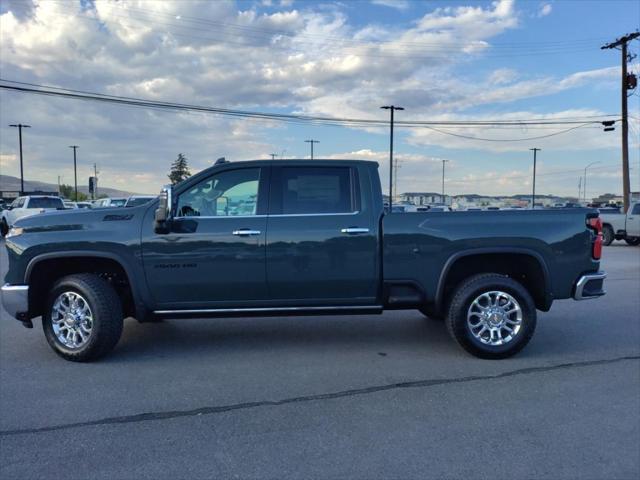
295, 238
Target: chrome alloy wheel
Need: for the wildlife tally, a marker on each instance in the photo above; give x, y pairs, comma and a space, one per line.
72, 320
494, 318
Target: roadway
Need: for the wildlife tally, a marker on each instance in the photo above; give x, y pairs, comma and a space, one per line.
387, 396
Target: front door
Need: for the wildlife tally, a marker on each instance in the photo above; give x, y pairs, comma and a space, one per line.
322, 246
214, 255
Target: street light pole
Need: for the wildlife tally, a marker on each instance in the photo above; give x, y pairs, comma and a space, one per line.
443, 162
20, 126
75, 169
312, 141
391, 108
533, 193
584, 190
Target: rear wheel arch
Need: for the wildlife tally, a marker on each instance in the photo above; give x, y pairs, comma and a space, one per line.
523, 265
44, 270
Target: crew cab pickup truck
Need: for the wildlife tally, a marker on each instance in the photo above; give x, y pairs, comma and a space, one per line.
619, 226
25, 206
295, 237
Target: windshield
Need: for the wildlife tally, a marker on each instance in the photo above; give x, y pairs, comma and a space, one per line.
135, 202
45, 202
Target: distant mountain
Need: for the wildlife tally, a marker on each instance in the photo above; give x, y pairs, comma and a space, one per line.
9, 183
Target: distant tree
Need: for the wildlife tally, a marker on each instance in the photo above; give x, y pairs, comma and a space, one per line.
179, 170
69, 192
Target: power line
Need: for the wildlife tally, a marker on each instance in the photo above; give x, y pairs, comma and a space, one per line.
138, 102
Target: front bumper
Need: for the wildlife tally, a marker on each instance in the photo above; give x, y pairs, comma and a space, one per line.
590, 286
15, 299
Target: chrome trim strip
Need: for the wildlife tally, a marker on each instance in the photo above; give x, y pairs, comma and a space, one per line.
312, 214
270, 309
582, 282
195, 217
15, 299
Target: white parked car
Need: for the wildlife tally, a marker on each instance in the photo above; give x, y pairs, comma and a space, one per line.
619, 226
110, 202
137, 200
26, 206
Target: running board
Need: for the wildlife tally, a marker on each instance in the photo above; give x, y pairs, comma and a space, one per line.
272, 311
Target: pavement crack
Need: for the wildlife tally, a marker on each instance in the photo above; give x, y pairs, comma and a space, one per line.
153, 416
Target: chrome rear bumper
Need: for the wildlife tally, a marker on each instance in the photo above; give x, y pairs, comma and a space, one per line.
590, 286
15, 299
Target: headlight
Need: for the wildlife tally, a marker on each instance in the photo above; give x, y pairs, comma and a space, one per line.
14, 232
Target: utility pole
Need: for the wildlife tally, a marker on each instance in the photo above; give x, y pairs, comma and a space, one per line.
443, 163
311, 141
622, 43
584, 190
533, 193
75, 169
273, 156
392, 108
579, 188
95, 182
396, 167
20, 126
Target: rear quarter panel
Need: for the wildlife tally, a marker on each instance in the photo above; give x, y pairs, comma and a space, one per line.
419, 246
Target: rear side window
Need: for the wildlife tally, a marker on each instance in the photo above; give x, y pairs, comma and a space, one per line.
308, 190
45, 202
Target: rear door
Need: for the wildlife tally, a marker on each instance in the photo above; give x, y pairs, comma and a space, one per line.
322, 244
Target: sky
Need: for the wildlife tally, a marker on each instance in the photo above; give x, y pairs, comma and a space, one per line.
440, 60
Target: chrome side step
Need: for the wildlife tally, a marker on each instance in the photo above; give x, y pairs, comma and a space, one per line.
275, 310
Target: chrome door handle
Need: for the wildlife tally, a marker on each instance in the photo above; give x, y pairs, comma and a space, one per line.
246, 232
354, 230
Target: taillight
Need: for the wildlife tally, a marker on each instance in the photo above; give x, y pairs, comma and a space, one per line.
596, 224
596, 248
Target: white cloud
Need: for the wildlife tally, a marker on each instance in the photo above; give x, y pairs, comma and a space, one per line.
545, 9
312, 60
397, 4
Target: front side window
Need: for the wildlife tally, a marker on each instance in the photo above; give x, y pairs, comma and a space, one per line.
227, 194
636, 209
308, 190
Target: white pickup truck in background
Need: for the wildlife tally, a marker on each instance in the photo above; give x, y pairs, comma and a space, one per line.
618, 226
25, 206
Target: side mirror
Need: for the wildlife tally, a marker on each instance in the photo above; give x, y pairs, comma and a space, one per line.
162, 218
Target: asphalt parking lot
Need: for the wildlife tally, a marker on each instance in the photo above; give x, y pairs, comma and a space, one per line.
386, 396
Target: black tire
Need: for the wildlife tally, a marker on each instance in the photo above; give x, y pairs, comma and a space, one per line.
106, 309
607, 235
467, 292
430, 313
633, 241
4, 228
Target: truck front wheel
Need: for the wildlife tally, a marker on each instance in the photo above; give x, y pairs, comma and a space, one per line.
83, 318
491, 316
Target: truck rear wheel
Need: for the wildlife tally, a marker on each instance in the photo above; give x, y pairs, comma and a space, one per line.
491, 316
633, 241
83, 317
607, 235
